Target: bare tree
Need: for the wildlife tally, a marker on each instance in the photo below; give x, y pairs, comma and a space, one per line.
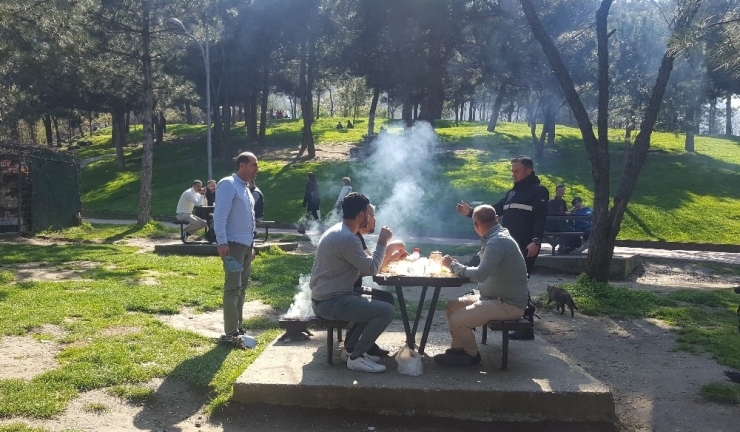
607, 221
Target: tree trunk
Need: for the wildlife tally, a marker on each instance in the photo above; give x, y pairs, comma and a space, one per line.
145, 193
263, 106
331, 103
226, 144
318, 104
406, 111
689, 128
712, 116
56, 130
49, 132
728, 114
308, 59
188, 114
118, 122
493, 121
371, 114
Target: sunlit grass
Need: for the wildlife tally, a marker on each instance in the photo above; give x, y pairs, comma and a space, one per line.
680, 196
112, 338
706, 321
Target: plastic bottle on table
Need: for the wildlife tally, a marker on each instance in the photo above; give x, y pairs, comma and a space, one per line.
414, 255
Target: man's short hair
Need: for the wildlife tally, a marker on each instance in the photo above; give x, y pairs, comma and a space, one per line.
245, 158
484, 214
524, 160
353, 204
576, 200
346, 181
197, 182
560, 186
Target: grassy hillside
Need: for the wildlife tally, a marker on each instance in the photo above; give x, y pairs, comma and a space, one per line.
679, 197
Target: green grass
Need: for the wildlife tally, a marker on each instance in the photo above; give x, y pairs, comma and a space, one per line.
722, 392
136, 395
679, 197
111, 336
705, 321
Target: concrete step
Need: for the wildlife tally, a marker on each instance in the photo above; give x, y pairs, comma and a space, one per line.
622, 264
541, 383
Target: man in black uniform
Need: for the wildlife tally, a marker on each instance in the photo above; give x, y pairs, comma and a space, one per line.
523, 210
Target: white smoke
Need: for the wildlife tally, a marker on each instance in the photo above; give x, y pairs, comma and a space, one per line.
301, 309
401, 179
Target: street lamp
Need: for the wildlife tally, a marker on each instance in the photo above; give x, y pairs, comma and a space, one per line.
177, 26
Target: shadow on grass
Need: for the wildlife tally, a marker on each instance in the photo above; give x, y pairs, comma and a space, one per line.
186, 388
643, 225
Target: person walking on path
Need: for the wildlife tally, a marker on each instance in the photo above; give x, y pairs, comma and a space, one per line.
523, 211
311, 198
234, 223
346, 188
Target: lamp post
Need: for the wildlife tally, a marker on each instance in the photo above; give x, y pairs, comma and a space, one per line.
177, 26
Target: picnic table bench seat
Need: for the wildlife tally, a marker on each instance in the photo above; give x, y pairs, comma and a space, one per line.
505, 327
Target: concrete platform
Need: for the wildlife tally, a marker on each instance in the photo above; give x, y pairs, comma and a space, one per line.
541, 383
206, 249
622, 264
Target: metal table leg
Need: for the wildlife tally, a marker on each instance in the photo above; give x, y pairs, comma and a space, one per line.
419, 309
430, 318
405, 318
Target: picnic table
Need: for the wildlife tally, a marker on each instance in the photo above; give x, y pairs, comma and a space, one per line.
551, 237
401, 282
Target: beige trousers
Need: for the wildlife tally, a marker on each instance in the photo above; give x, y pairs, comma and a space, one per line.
469, 312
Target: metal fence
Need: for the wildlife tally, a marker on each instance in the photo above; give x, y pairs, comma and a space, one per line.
39, 188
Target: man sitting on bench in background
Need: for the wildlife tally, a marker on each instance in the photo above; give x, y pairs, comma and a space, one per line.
502, 282
339, 261
192, 197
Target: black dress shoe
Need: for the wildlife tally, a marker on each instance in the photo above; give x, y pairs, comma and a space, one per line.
521, 335
453, 351
463, 359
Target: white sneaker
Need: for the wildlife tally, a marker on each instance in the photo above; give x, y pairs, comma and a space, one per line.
344, 356
364, 364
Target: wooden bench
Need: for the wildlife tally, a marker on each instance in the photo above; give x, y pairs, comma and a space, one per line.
505, 327
266, 225
552, 237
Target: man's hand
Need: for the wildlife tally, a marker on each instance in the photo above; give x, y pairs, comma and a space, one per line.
447, 260
223, 250
532, 250
463, 208
384, 236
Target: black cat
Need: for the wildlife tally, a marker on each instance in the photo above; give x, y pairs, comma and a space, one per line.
562, 298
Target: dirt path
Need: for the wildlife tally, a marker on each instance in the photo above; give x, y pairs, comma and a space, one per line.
654, 387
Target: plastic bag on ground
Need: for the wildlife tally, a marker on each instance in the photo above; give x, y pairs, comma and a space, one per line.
409, 362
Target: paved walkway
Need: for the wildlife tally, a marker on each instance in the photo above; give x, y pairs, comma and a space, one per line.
687, 255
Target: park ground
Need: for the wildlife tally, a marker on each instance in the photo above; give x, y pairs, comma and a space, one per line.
655, 386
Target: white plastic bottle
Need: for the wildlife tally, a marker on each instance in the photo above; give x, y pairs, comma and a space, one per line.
414, 255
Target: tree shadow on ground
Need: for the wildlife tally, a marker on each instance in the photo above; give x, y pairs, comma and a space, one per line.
186, 387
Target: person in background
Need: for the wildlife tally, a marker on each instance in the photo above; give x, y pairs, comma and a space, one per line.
558, 207
583, 226
211, 192
346, 188
502, 283
233, 221
523, 211
311, 198
350, 125
338, 262
339, 126
188, 200
259, 201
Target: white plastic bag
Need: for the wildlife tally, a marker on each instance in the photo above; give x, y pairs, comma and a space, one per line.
409, 362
